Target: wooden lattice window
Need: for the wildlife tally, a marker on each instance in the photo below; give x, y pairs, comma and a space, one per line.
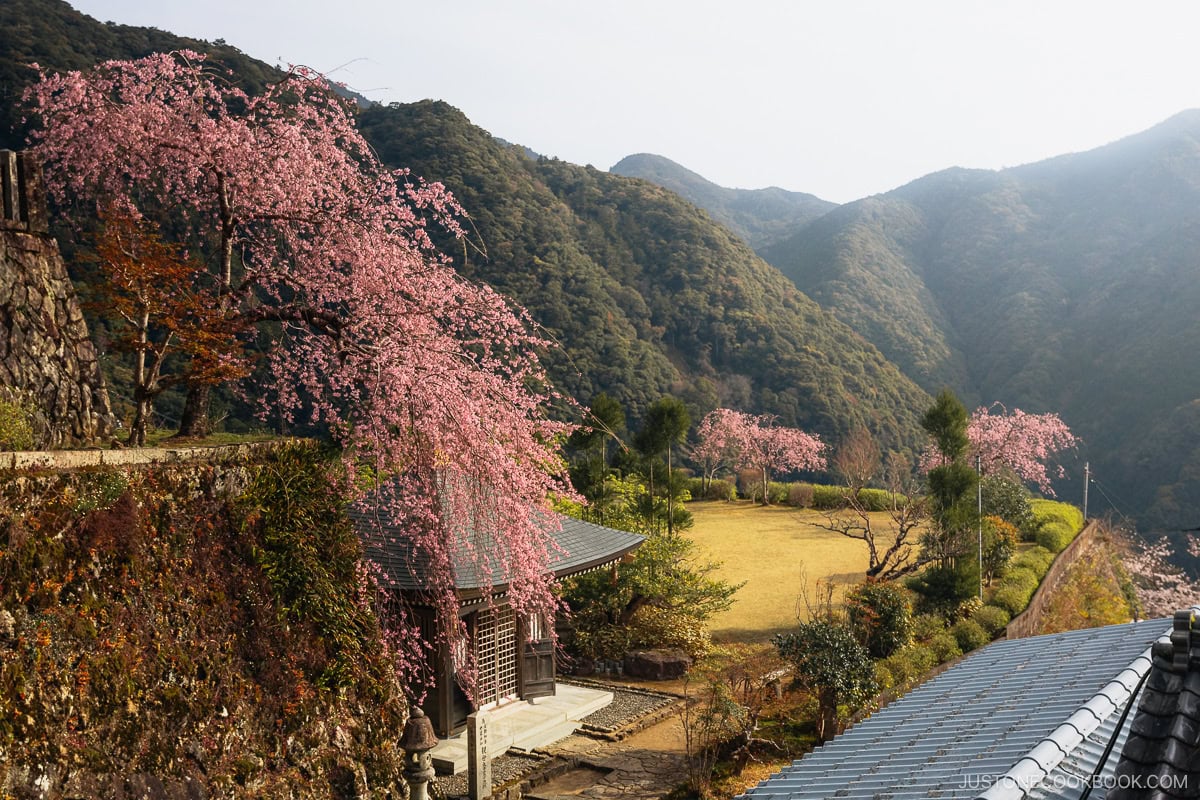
496, 654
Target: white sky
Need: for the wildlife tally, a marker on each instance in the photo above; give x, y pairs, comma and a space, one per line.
841, 98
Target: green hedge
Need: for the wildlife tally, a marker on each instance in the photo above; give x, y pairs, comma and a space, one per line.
945, 647
717, 489
1054, 511
1054, 536
827, 498
1012, 599
992, 619
1036, 559
970, 635
908, 663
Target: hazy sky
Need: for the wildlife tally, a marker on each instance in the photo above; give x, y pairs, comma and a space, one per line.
841, 99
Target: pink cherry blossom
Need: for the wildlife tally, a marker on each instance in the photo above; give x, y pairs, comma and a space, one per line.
1024, 443
746, 441
428, 379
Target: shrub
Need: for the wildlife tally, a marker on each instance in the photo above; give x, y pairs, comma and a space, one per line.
717, 489
875, 499
16, 426
830, 663
970, 635
1024, 578
827, 497
945, 647
909, 663
992, 619
942, 588
1012, 599
1054, 511
880, 617
800, 495
721, 490
884, 678
999, 544
927, 626
664, 627
1054, 536
1036, 559
608, 642
967, 608
1006, 498
749, 483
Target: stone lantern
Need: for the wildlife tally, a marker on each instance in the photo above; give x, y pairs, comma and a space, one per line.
418, 739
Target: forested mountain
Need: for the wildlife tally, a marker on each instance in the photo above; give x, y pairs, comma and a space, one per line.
57, 37
759, 216
1068, 285
643, 291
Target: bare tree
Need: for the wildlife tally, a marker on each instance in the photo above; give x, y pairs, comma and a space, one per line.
858, 462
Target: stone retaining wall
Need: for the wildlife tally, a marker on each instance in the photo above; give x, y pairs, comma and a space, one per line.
47, 360
1029, 621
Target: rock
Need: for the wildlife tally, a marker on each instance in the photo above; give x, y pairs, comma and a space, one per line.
657, 665
8, 626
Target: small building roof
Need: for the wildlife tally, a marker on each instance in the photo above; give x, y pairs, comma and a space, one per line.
1015, 719
1161, 758
578, 547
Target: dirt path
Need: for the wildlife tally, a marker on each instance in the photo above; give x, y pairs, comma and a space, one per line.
646, 765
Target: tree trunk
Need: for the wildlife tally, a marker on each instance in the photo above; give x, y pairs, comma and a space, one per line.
137, 429
670, 496
194, 421
634, 605
766, 496
826, 715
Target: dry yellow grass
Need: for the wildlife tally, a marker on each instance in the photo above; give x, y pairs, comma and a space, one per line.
775, 550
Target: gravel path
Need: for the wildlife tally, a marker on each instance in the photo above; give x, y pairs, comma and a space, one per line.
627, 706
506, 768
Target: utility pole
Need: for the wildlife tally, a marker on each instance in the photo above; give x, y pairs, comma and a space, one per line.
979, 497
1087, 478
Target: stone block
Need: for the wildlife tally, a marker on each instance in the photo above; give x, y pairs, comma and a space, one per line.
657, 665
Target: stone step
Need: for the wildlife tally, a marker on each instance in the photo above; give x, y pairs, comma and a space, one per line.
450, 758
546, 736
593, 704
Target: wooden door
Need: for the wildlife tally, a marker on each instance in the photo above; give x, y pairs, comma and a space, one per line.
537, 659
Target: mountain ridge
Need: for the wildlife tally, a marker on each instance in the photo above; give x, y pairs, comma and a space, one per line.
758, 216
1064, 285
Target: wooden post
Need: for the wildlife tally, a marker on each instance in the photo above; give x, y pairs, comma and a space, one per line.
479, 765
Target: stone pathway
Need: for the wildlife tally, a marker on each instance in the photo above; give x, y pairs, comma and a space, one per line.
644, 765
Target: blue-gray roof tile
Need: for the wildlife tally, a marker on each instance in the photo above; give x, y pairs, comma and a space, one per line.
1024, 707
579, 546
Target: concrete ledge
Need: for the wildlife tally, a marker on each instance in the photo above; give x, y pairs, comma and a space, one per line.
65, 460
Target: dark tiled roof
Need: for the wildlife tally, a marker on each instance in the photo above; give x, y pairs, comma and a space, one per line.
580, 546
1017, 708
1161, 758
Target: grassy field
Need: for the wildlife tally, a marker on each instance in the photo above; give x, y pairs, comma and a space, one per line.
774, 550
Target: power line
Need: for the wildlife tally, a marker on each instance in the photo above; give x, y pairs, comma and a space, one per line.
1115, 506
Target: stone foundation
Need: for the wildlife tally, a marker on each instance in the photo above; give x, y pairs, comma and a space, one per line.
47, 360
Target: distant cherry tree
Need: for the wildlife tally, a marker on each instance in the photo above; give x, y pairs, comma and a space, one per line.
1022, 442
757, 442
429, 380
717, 446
